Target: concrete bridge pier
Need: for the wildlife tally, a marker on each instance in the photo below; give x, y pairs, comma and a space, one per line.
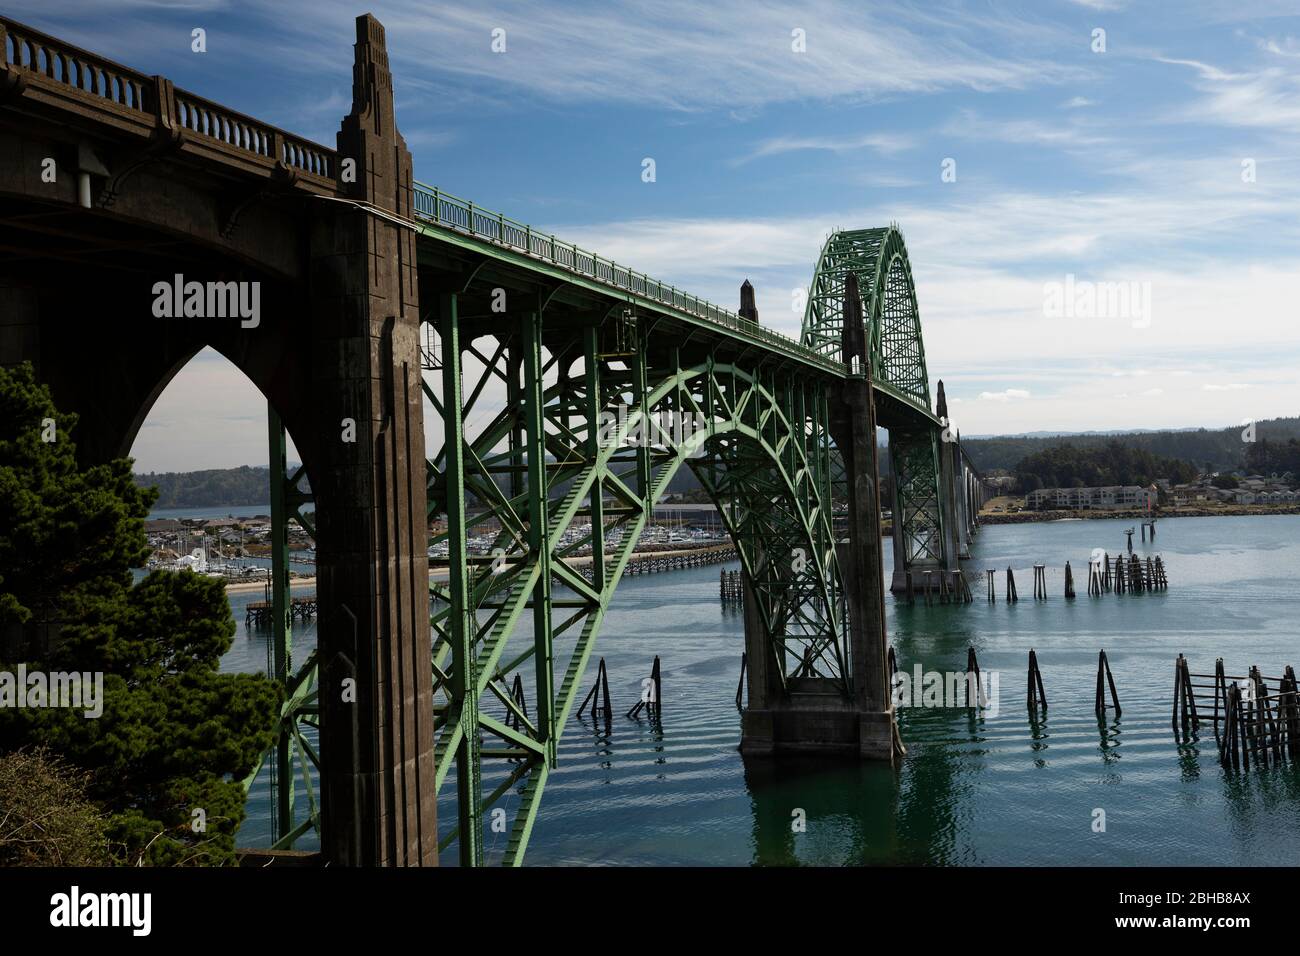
949, 469
814, 714
377, 753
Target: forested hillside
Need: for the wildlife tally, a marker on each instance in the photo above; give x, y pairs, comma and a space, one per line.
209, 489
1208, 449
1115, 463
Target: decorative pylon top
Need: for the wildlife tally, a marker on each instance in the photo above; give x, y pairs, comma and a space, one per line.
853, 333
372, 82
748, 307
941, 402
369, 141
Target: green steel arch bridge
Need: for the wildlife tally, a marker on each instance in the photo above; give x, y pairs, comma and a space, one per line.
568, 390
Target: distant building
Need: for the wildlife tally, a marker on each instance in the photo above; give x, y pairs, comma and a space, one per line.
1107, 498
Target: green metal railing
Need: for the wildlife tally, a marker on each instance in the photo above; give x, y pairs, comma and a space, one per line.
439, 208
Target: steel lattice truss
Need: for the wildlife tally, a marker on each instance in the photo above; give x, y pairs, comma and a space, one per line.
878, 257
292, 756
564, 484
914, 458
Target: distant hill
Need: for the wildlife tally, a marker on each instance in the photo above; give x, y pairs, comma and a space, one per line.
1219, 449
1208, 449
214, 488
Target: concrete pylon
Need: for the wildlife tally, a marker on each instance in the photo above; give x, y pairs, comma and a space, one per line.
948, 485
748, 307
377, 747
960, 498
863, 571
808, 717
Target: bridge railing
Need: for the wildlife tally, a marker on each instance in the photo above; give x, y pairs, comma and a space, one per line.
84, 74
442, 209
32, 50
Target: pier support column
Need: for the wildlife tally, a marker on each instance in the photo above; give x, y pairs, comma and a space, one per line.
815, 714
377, 748
863, 571
952, 535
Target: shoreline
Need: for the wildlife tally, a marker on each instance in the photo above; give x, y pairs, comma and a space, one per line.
441, 574
1239, 511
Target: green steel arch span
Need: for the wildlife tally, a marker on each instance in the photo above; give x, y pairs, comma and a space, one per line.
877, 258
924, 515
564, 479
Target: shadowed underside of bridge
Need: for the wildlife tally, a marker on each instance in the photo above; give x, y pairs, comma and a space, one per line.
568, 391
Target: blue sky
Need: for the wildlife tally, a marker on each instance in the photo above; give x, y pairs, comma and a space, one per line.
1117, 166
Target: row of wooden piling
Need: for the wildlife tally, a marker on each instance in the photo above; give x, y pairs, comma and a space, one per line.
1036, 696
697, 558
1257, 722
1128, 577
259, 613
601, 704
731, 589
937, 587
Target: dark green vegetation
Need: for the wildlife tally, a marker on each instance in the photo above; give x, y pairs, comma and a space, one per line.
1071, 466
1275, 458
46, 819
213, 488
1208, 449
175, 736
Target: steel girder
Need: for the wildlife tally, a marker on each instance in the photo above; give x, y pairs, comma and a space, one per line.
553, 481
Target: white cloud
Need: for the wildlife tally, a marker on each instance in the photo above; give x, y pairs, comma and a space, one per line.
1007, 395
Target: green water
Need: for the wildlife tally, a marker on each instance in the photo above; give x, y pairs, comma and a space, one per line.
990, 789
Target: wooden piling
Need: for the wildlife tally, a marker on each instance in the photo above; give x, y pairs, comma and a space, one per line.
599, 686
1104, 678
1037, 697
517, 695
654, 706
973, 667
1011, 586
988, 574
740, 687
1069, 581
1185, 715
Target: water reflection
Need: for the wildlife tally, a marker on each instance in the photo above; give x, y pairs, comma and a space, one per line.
814, 811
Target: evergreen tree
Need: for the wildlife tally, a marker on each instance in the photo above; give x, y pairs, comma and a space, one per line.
176, 736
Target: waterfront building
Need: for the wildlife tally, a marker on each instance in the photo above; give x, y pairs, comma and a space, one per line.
1106, 498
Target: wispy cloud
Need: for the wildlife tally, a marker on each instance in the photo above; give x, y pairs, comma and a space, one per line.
1268, 98
969, 124
729, 54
